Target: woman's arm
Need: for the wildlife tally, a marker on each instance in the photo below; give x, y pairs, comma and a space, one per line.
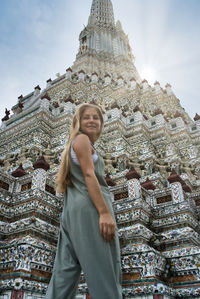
82, 148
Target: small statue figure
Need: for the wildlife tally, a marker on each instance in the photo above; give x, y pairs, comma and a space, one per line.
6, 117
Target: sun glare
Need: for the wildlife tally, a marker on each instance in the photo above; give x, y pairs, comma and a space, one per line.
149, 74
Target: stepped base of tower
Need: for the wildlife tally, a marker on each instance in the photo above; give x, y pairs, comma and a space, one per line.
151, 150
156, 208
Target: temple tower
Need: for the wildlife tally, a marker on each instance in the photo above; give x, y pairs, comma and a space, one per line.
151, 149
104, 47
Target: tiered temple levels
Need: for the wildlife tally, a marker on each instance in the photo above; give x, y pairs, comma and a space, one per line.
151, 149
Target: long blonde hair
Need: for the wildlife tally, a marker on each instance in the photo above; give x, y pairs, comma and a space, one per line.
63, 176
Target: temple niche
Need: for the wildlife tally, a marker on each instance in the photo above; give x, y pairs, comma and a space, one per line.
151, 150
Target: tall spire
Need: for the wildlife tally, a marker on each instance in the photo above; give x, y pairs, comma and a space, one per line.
104, 47
101, 12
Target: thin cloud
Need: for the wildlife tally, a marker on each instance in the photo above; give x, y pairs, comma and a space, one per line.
40, 38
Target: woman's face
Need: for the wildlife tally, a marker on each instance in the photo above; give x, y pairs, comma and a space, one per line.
91, 123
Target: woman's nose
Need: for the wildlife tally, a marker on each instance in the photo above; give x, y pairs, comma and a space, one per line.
91, 119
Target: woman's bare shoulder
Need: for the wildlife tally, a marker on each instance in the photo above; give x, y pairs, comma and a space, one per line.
81, 140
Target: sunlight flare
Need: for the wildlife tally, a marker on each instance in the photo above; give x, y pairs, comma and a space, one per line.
149, 74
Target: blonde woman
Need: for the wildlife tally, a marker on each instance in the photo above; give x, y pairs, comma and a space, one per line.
88, 237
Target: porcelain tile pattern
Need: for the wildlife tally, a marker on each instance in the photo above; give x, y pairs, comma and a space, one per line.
146, 128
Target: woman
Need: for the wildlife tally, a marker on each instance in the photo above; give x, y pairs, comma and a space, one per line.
88, 237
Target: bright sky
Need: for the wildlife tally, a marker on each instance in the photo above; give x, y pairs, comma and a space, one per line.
39, 38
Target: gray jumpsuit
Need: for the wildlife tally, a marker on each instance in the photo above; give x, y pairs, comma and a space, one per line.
81, 246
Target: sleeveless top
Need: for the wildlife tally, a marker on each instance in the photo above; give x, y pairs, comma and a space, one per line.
77, 176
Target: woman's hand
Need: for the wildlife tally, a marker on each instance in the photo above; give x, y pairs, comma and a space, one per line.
107, 226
